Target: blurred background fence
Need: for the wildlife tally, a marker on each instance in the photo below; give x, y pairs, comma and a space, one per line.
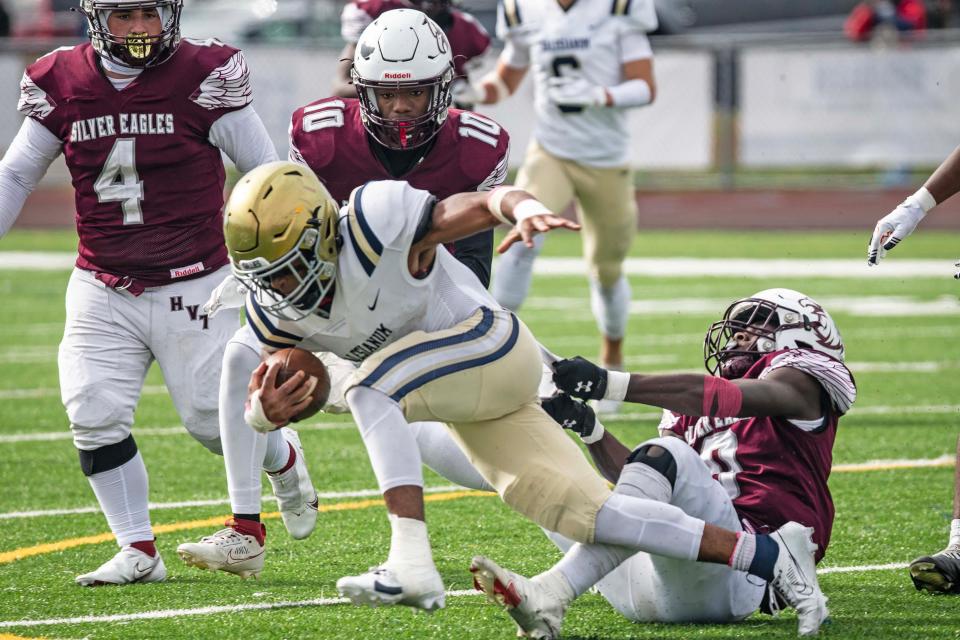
752, 94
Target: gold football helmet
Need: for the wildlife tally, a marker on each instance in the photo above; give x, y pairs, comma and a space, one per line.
280, 221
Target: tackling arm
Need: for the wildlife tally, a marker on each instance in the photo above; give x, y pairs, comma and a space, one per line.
786, 392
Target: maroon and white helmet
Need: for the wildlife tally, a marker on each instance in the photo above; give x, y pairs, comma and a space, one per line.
138, 51
778, 319
403, 49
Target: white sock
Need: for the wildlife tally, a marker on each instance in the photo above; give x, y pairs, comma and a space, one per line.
955, 533
243, 448
440, 452
611, 307
277, 453
390, 443
123, 496
511, 280
647, 525
582, 567
409, 542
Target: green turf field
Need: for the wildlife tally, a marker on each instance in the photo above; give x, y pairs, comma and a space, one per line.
905, 355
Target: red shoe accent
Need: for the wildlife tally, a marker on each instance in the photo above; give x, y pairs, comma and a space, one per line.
509, 593
249, 528
292, 460
146, 546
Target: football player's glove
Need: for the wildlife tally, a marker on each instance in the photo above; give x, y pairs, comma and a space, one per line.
465, 95
575, 91
575, 416
893, 228
580, 378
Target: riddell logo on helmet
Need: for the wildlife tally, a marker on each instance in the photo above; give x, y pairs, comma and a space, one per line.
397, 75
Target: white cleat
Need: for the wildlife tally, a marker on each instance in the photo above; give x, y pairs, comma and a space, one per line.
795, 576
419, 587
128, 566
536, 610
226, 550
296, 497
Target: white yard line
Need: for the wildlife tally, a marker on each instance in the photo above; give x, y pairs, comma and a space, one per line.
945, 460
159, 506
301, 604
674, 267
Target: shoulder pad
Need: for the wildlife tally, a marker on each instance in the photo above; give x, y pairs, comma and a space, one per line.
314, 129
509, 11
383, 215
41, 77
227, 86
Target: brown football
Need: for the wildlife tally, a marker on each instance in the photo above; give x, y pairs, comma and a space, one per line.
293, 360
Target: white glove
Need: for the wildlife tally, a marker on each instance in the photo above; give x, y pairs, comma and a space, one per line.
229, 294
575, 91
897, 225
465, 94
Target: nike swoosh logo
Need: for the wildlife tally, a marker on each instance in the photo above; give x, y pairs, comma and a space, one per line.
382, 588
375, 300
140, 572
233, 559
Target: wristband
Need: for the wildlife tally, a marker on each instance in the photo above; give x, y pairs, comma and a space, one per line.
256, 418
923, 199
617, 383
632, 93
529, 208
595, 435
495, 199
726, 396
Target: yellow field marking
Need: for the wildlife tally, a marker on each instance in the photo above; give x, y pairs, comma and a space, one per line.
62, 545
7, 636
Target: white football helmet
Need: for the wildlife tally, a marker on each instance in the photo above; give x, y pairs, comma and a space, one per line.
403, 49
779, 319
134, 50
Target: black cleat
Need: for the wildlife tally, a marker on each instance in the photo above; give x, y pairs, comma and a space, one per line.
939, 573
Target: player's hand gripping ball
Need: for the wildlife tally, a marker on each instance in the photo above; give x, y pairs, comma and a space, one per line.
293, 360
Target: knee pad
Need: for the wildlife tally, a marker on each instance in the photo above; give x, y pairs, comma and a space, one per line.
108, 457
657, 458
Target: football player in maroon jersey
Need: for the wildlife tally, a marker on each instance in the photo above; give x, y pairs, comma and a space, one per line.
468, 39
400, 128
141, 118
748, 449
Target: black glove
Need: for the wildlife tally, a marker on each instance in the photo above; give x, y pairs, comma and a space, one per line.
573, 415
580, 378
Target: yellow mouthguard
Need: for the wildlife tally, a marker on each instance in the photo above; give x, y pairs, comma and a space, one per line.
138, 44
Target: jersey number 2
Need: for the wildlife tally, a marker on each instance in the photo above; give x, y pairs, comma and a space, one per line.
119, 182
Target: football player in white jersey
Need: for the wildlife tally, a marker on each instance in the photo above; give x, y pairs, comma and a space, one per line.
939, 571
372, 283
591, 60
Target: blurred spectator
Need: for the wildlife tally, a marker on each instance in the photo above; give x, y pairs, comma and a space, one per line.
872, 16
940, 14
4, 21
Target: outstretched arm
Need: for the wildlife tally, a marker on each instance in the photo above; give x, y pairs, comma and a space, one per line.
465, 214
343, 84
786, 392
901, 222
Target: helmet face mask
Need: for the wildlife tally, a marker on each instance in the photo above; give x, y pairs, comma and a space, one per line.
403, 50
281, 230
136, 50
771, 320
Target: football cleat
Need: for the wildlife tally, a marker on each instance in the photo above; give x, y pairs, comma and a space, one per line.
129, 565
939, 573
419, 587
537, 611
795, 576
296, 496
226, 550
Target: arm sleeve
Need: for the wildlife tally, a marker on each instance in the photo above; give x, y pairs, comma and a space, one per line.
634, 45
27, 159
242, 136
